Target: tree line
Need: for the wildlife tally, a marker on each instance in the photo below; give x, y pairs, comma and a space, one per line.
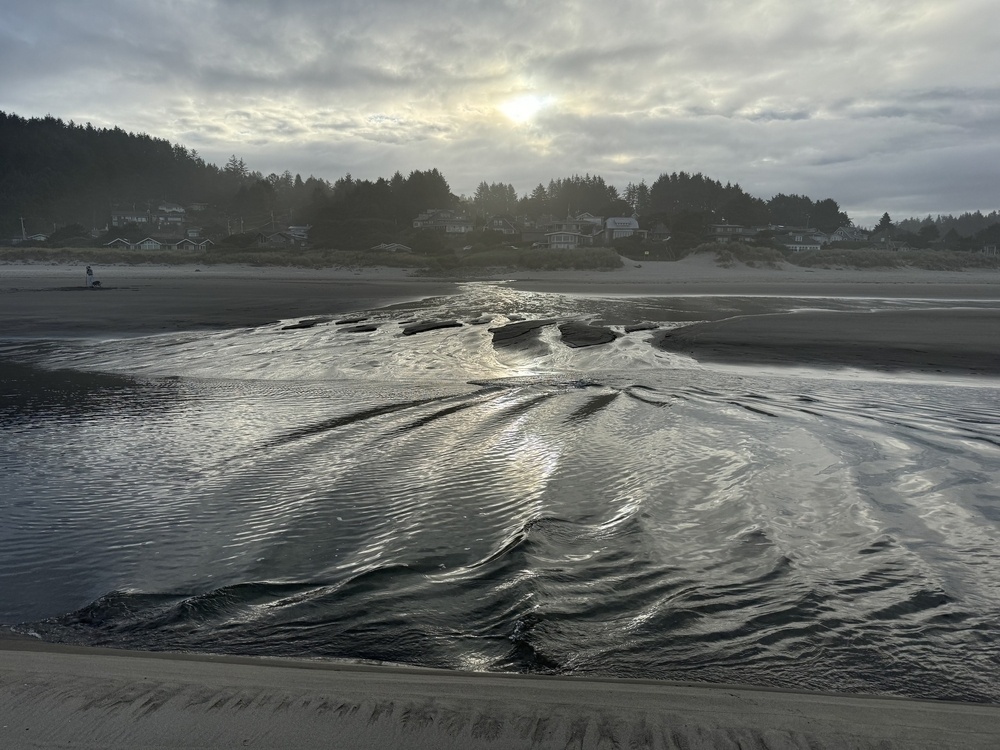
59, 174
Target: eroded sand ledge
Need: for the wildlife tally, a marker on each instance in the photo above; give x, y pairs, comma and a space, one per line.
62, 696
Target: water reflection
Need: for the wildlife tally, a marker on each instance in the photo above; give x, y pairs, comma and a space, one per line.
435, 500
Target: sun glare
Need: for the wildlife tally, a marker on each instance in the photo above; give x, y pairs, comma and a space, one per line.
523, 109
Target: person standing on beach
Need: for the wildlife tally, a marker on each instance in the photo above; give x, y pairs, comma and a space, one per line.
90, 276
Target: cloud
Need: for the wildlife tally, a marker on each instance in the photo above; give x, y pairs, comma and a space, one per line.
859, 101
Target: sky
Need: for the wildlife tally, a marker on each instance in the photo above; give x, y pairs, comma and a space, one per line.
880, 105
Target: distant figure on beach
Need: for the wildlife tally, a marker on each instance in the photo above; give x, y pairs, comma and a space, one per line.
90, 276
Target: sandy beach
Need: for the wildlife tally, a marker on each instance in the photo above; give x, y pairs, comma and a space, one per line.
52, 301
55, 696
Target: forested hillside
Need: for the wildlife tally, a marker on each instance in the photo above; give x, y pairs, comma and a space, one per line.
59, 174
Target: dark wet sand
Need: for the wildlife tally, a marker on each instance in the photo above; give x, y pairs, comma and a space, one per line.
960, 341
136, 301
54, 696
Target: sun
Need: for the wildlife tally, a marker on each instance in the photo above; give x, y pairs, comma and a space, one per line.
522, 109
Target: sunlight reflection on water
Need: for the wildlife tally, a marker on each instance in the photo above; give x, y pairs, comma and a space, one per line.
434, 499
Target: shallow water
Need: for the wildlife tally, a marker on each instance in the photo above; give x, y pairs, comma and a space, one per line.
439, 500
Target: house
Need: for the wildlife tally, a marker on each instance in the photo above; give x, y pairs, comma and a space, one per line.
391, 247
119, 243
502, 224
154, 243
584, 223
563, 240
275, 239
730, 232
620, 227
120, 218
798, 241
585, 220
849, 234
443, 220
300, 232
189, 243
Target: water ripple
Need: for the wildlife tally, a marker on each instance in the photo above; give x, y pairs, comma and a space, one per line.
437, 500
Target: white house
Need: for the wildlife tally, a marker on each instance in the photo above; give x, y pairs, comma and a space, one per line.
151, 243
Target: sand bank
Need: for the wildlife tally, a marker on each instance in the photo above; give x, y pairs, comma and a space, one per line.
699, 274
956, 341
62, 696
52, 300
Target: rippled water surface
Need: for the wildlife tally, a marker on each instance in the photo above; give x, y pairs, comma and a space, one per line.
446, 500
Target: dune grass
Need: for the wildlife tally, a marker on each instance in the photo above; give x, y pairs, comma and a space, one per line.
874, 258
760, 256
505, 258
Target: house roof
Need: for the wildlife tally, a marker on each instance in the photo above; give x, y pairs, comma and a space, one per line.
622, 222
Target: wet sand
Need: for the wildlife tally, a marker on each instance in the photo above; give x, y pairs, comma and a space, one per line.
53, 301
54, 696
954, 341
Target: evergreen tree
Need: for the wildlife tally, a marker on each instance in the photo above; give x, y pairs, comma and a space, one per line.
884, 224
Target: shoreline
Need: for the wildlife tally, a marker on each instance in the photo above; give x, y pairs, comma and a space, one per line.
55, 696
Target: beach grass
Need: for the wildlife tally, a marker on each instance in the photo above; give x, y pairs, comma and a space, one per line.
511, 258
861, 258
726, 255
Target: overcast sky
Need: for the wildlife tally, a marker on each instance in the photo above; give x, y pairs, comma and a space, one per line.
881, 105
